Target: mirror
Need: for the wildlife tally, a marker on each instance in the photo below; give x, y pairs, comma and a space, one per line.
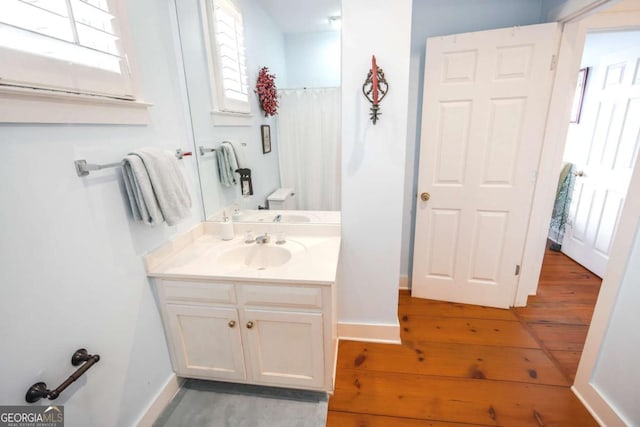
298, 153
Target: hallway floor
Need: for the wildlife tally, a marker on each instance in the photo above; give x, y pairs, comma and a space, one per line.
461, 365
560, 314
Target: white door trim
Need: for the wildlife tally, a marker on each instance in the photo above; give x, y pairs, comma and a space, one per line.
575, 10
616, 269
571, 47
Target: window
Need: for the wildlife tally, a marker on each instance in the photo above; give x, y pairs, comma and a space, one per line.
224, 34
69, 49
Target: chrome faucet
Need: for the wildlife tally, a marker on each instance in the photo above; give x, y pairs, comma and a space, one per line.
277, 218
265, 238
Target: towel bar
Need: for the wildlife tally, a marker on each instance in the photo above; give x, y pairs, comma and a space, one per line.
204, 150
83, 168
80, 357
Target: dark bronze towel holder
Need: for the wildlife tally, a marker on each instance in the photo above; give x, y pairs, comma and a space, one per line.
39, 390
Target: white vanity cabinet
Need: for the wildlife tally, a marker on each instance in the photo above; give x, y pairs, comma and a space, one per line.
205, 341
270, 334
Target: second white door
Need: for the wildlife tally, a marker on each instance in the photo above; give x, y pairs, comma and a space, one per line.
610, 136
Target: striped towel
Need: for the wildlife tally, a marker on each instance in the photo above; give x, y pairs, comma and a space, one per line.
227, 164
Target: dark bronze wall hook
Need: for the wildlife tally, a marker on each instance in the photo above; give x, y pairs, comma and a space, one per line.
80, 357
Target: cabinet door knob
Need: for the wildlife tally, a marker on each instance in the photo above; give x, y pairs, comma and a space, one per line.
425, 196
249, 325
232, 323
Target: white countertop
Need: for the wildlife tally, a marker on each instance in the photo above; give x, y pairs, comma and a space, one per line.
287, 216
314, 250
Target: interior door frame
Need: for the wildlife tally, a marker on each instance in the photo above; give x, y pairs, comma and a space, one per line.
569, 58
568, 64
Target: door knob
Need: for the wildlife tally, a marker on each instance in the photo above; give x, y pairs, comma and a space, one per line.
425, 196
578, 173
232, 323
249, 325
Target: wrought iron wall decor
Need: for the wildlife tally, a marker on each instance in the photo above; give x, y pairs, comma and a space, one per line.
375, 88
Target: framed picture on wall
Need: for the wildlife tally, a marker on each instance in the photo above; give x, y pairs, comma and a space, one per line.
576, 109
266, 138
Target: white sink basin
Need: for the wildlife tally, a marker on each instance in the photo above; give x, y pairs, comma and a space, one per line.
258, 257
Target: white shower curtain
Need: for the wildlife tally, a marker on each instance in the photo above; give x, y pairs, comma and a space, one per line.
309, 146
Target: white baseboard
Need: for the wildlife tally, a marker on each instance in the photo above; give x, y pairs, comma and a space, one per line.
161, 401
404, 282
599, 407
382, 333
586, 404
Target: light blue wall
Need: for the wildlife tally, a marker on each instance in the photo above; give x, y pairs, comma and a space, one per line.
71, 270
264, 45
435, 18
548, 6
616, 375
313, 59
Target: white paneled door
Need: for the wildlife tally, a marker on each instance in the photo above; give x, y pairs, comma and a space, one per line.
612, 118
486, 96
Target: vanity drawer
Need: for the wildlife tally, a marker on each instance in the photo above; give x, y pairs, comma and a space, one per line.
186, 291
282, 296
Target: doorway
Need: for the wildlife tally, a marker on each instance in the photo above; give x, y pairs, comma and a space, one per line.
622, 16
599, 157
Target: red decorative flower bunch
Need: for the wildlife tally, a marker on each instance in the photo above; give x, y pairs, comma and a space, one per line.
267, 92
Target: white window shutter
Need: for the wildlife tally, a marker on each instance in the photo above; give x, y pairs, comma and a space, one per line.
63, 45
229, 59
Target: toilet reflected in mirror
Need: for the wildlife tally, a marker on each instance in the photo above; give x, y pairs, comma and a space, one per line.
282, 199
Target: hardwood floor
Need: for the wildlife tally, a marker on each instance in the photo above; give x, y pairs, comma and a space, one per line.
462, 365
560, 314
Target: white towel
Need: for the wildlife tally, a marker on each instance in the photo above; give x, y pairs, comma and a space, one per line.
241, 156
144, 205
158, 170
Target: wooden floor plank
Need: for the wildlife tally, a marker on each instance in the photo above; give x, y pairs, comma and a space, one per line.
453, 360
568, 361
568, 294
409, 306
556, 312
417, 329
560, 337
346, 419
458, 400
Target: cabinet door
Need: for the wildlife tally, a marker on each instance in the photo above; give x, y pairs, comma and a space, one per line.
284, 348
206, 341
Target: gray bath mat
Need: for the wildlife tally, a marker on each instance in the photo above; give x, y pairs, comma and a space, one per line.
217, 404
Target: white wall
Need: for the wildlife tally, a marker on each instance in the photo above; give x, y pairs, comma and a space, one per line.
264, 45
596, 46
373, 160
313, 59
616, 375
71, 268
443, 17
